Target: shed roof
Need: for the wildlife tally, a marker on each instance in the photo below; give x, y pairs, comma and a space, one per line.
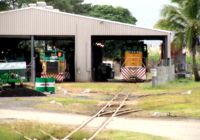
41, 21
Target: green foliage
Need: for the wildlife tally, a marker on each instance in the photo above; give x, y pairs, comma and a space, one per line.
4, 5
189, 60
109, 12
113, 47
183, 19
153, 58
72, 6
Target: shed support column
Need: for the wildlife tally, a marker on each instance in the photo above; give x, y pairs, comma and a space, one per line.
83, 58
167, 50
32, 60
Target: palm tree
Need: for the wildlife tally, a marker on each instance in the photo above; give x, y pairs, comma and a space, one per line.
183, 17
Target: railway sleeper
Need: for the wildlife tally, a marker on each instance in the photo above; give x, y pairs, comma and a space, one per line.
115, 105
122, 111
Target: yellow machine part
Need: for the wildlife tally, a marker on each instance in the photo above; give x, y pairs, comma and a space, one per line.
133, 58
44, 66
61, 66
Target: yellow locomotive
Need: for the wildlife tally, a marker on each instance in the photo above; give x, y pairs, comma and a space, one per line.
135, 61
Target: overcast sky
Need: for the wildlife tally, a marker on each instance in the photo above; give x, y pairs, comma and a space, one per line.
147, 12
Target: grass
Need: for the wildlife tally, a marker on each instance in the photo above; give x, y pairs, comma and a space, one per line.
8, 134
177, 104
182, 105
68, 104
31, 130
96, 87
120, 135
179, 85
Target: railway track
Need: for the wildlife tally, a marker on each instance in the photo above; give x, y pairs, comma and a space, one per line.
112, 108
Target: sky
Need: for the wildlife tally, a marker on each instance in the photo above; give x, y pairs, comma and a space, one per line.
147, 12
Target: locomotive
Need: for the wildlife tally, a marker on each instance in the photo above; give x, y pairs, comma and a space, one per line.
54, 64
135, 62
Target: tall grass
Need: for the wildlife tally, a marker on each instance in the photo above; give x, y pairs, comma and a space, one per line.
32, 130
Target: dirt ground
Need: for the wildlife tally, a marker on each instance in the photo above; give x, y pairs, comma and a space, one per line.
16, 107
172, 129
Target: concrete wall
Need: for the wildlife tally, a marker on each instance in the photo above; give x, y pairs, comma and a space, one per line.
165, 74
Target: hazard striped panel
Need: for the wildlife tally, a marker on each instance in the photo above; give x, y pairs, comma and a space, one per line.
59, 77
130, 73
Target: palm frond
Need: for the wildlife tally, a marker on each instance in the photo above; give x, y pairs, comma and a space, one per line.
191, 9
179, 2
169, 25
173, 14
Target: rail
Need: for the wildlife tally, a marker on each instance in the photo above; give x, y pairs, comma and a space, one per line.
90, 119
108, 120
101, 112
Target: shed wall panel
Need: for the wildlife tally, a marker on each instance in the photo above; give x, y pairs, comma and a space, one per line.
34, 21
51, 23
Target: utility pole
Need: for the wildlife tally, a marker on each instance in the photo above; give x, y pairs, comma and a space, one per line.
32, 60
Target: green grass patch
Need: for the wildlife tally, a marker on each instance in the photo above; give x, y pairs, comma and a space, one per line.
177, 104
120, 135
171, 87
182, 105
100, 87
32, 130
8, 134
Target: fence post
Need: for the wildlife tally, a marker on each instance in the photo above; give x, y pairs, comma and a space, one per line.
154, 75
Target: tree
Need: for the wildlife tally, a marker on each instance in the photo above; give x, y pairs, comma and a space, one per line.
113, 47
71, 6
4, 5
184, 19
109, 12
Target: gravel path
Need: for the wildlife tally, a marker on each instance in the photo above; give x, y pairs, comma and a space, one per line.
173, 129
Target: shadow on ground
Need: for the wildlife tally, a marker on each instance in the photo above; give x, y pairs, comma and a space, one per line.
19, 92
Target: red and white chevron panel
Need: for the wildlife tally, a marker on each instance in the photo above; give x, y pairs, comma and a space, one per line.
59, 77
129, 73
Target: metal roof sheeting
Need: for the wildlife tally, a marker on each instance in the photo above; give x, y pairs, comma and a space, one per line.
41, 21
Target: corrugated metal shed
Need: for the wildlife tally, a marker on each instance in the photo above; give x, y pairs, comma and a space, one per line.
39, 21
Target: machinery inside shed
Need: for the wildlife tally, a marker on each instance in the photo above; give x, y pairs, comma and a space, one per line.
54, 56
121, 58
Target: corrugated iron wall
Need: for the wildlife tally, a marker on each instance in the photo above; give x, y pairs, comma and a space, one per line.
34, 21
